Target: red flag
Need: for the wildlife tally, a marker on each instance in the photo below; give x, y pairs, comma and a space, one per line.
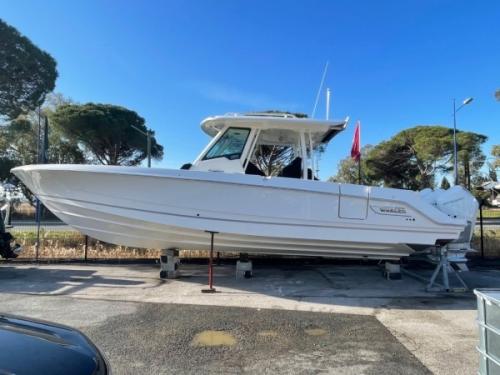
356, 143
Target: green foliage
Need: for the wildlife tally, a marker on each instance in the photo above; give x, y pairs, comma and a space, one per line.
470, 156
497, 95
413, 157
62, 150
348, 171
495, 152
492, 173
27, 73
6, 164
491, 214
18, 143
445, 184
105, 133
477, 187
389, 163
18, 146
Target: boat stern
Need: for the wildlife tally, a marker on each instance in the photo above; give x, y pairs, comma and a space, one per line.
458, 203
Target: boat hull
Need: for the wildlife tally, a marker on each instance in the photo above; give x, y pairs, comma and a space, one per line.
156, 208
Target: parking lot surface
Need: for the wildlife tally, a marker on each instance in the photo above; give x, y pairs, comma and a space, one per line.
291, 318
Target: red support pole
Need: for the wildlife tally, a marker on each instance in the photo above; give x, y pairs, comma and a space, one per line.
210, 263
211, 288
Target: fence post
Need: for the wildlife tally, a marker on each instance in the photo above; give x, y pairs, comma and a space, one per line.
86, 247
37, 244
481, 202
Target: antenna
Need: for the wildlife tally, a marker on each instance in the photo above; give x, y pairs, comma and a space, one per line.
328, 92
319, 89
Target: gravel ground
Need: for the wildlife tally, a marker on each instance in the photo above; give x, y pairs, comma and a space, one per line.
159, 339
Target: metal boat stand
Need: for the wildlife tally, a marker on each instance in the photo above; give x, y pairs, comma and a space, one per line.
211, 288
443, 266
244, 268
169, 263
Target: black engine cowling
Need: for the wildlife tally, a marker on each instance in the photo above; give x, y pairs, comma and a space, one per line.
6, 250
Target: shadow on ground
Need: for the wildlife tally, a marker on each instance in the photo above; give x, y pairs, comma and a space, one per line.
345, 284
340, 284
40, 280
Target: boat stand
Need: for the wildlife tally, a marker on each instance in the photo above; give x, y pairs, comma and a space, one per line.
169, 263
244, 267
443, 266
211, 288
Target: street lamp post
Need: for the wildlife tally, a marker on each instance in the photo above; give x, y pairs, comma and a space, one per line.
148, 134
149, 147
455, 158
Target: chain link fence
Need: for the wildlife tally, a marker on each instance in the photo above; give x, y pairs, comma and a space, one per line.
486, 239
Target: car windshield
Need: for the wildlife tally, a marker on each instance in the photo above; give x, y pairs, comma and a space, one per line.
230, 145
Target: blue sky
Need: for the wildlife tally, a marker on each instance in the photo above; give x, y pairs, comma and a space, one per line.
393, 64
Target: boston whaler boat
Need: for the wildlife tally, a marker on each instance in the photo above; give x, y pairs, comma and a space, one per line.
234, 188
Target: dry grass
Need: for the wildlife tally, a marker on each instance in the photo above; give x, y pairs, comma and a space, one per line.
492, 213
491, 242
25, 211
71, 245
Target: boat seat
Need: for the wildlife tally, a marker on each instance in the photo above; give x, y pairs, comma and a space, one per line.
253, 169
293, 170
311, 176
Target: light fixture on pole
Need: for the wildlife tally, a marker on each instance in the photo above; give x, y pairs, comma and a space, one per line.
455, 158
147, 133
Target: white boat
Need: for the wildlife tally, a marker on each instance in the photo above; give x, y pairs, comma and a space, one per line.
224, 190
494, 188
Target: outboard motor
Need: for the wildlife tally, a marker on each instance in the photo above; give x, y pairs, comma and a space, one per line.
6, 250
460, 203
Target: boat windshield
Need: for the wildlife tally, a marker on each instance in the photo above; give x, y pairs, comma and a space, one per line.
230, 145
276, 153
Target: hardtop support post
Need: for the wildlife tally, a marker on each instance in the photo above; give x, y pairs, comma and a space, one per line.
303, 150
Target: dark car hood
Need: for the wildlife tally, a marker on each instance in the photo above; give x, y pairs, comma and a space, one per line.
30, 346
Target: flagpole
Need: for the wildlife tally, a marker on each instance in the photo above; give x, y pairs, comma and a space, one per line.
359, 159
356, 149
359, 170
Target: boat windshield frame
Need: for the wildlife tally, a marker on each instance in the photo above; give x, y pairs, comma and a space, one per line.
231, 156
234, 156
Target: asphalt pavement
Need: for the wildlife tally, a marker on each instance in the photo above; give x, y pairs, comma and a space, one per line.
164, 338
290, 318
